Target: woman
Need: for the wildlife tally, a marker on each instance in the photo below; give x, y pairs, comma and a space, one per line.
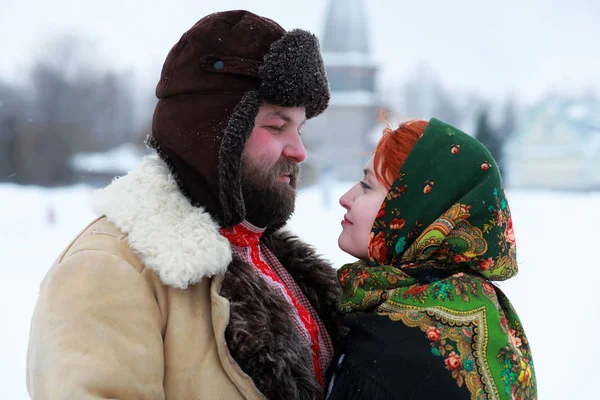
431, 227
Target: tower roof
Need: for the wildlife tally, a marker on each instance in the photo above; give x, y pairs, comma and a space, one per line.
346, 28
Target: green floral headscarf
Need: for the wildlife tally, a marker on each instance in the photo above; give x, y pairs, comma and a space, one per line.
443, 232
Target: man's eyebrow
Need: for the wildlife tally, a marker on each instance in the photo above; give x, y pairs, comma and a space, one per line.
284, 117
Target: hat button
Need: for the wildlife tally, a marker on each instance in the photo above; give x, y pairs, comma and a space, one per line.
218, 65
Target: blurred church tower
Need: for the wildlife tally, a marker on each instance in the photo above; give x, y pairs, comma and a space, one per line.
339, 138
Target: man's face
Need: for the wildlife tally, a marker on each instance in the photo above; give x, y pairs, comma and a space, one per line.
270, 164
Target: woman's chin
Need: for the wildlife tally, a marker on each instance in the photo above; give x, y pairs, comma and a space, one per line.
343, 245
340, 242
350, 251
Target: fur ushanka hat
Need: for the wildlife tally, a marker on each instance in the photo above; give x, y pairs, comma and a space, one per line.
212, 84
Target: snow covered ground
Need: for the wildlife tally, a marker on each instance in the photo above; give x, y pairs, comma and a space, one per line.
556, 292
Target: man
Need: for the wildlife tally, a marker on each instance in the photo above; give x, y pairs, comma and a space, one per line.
186, 288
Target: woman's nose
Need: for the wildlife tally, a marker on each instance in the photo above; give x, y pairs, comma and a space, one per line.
346, 200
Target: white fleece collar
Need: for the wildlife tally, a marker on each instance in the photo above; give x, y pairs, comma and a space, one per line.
178, 241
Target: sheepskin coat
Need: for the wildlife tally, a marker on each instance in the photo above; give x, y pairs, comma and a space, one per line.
148, 302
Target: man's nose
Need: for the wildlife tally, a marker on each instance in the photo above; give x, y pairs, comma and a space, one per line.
294, 149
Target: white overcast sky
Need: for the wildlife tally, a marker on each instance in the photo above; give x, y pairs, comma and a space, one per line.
524, 47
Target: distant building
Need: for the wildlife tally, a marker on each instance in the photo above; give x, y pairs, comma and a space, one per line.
338, 140
557, 146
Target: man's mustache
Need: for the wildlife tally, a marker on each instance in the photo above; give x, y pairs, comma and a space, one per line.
285, 167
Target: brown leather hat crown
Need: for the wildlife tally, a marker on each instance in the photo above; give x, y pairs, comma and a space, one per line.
212, 83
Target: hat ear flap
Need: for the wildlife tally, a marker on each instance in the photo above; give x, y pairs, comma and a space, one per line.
238, 130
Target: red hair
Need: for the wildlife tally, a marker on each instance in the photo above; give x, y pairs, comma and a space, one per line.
393, 149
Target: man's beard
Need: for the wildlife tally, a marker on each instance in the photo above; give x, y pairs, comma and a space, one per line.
269, 201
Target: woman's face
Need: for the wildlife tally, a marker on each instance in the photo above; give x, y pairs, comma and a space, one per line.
362, 203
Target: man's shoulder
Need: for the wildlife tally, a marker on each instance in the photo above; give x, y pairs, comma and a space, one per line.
101, 235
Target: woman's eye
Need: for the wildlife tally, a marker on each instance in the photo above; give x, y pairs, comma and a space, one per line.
364, 185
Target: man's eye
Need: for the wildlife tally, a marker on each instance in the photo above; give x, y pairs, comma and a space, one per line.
275, 128
364, 185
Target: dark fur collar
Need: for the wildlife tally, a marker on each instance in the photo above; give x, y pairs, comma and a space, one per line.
315, 277
260, 336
